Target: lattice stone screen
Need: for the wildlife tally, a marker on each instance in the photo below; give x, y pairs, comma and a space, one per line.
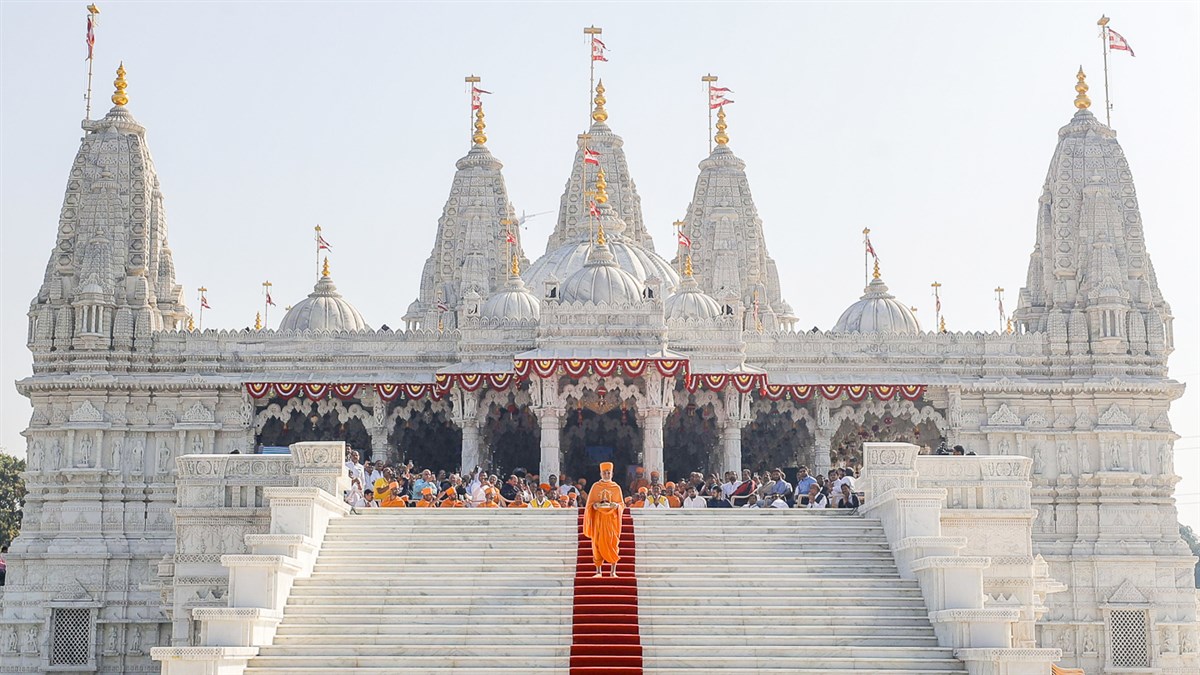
1130, 646
71, 636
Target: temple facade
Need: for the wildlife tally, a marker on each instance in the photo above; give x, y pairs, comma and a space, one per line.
601, 348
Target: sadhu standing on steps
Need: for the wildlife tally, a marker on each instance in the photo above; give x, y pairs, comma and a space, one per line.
602, 520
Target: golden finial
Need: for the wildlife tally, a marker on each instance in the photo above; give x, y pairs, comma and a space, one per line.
600, 238
875, 276
119, 97
1008, 326
942, 327
258, 321
1081, 99
480, 138
515, 269
687, 265
600, 114
721, 138
325, 267
601, 188
913, 310
191, 323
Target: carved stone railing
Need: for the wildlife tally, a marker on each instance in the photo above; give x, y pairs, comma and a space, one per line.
962, 527
281, 506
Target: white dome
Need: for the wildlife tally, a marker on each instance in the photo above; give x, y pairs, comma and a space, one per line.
691, 302
601, 281
513, 302
324, 309
878, 312
566, 260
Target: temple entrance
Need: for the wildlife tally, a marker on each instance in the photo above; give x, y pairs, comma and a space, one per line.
512, 436
427, 437
304, 422
774, 439
691, 438
590, 437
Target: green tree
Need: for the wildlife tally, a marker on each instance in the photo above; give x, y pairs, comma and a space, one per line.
12, 497
1193, 542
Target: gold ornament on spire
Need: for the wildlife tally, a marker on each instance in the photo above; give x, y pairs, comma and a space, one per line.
600, 238
875, 276
325, 267
687, 265
942, 327
601, 188
480, 138
1081, 99
721, 138
258, 321
515, 269
600, 114
191, 323
119, 97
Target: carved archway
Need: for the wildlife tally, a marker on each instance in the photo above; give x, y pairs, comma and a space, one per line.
423, 432
512, 437
779, 435
691, 436
299, 419
874, 421
584, 428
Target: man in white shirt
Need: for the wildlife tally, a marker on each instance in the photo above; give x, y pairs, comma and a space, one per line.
816, 500
694, 500
778, 501
355, 469
478, 489
730, 484
373, 472
656, 500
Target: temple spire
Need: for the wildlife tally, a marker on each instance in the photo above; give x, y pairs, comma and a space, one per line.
119, 97
599, 114
1081, 88
721, 138
601, 189
480, 137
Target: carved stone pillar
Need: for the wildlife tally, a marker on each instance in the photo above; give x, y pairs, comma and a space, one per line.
652, 440
466, 412
731, 447
550, 419
823, 439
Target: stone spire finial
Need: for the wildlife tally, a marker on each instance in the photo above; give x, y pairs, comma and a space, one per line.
600, 114
1081, 98
601, 188
119, 97
325, 267
480, 137
721, 138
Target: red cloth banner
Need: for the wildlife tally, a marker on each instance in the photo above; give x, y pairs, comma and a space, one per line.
345, 392
1117, 41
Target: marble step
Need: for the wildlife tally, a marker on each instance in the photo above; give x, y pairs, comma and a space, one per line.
651, 599
428, 663
491, 638
350, 654
443, 615
918, 663
403, 631
434, 668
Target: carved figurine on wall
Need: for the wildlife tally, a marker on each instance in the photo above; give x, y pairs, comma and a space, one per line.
164, 458
85, 450
135, 459
55, 455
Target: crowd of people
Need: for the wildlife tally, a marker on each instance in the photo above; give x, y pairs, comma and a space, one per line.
380, 485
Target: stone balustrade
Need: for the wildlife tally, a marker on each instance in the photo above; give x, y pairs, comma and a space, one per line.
285, 504
962, 526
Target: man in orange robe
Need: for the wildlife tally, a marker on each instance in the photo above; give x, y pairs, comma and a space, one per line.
393, 499
602, 520
427, 500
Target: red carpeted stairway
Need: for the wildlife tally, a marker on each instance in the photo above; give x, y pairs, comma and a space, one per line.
605, 631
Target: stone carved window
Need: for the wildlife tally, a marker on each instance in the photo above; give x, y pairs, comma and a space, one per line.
1130, 638
71, 636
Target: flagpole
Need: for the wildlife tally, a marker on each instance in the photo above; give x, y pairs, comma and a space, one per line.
937, 305
93, 10
587, 194
709, 79
266, 301
471, 81
1000, 306
202, 291
866, 273
593, 32
317, 239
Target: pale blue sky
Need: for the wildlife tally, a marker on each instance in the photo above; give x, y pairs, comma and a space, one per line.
931, 123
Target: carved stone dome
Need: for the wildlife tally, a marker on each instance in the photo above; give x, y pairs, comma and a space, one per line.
601, 281
324, 309
878, 312
691, 303
514, 302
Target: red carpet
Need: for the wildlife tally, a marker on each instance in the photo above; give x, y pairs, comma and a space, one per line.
605, 633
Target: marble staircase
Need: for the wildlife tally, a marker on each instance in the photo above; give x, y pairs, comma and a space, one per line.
740, 591
432, 591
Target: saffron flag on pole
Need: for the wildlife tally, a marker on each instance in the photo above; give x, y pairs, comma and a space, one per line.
598, 49
1117, 41
477, 98
590, 156
91, 35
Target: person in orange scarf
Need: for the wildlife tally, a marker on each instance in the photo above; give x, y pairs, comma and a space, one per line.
640, 500
672, 499
450, 499
518, 502
393, 498
426, 501
602, 520
491, 499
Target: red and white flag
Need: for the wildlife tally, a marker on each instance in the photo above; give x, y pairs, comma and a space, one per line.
91, 36
477, 97
870, 248
590, 156
204, 301
684, 240
593, 209
270, 302
598, 49
322, 244
1117, 41
442, 306
509, 237
716, 100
